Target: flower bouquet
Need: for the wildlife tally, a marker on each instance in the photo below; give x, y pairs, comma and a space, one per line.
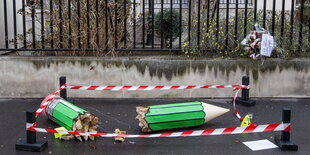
258, 42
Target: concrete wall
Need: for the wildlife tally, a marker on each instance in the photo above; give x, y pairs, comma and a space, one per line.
38, 77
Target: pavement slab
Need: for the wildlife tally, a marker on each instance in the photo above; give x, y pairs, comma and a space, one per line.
120, 113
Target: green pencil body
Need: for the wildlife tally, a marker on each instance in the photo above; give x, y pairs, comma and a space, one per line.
180, 115
63, 112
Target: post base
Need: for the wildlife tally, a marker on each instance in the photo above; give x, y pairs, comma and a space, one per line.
285, 145
245, 102
35, 147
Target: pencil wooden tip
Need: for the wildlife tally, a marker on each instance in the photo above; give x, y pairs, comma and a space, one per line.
212, 111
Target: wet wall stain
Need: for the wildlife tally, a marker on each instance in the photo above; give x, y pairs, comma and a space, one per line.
159, 69
175, 68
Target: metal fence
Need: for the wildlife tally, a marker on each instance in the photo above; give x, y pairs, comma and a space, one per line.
140, 25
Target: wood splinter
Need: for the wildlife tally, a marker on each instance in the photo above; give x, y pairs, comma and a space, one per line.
84, 123
120, 139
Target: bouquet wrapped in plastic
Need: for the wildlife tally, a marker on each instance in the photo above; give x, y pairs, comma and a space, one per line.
258, 42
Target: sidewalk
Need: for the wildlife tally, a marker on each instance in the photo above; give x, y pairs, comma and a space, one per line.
120, 113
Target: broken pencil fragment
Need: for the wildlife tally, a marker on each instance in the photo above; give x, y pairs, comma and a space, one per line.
180, 115
120, 139
70, 117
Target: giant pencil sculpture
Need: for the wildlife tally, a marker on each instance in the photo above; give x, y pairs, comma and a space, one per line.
70, 117
180, 115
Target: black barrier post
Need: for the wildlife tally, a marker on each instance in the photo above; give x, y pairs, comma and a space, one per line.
283, 141
31, 143
31, 136
245, 93
63, 93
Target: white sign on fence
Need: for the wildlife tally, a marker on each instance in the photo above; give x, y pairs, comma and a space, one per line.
267, 45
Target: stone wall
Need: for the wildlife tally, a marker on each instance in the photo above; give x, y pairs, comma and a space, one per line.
24, 77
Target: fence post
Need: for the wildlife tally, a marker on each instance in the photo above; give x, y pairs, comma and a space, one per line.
31, 143
150, 37
283, 141
245, 93
63, 93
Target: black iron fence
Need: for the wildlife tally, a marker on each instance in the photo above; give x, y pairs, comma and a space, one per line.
213, 26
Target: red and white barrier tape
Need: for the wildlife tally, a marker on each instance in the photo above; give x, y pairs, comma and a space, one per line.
234, 103
219, 131
136, 88
41, 108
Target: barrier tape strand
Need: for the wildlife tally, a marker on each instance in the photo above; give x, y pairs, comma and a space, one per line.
219, 131
41, 108
137, 88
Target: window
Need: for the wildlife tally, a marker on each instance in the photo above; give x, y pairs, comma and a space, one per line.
175, 3
232, 3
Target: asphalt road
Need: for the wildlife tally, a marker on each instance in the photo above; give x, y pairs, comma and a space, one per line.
120, 113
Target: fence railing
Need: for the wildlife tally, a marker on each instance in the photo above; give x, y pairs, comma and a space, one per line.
155, 25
